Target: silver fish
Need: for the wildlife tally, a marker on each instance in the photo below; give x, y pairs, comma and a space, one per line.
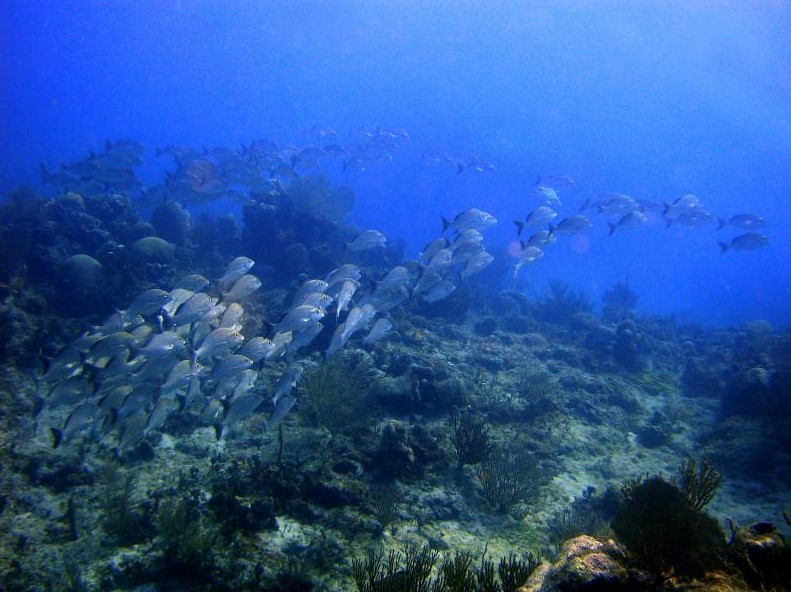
164, 407
232, 317
256, 348
280, 343
194, 309
241, 407
347, 271
230, 365
287, 382
472, 218
309, 288
749, 241
345, 296
366, 240
284, 405
305, 336
381, 328
180, 376
70, 391
431, 249
571, 225
476, 263
530, 255
178, 297
299, 318
540, 216
147, 303
396, 277
630, 220
67, 364
242, 288
79, 419
163, 344
193, 282
744, 222
236, 269
439, 291
218, 342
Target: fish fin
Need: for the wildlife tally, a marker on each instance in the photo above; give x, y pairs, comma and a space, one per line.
520, 226
445, 223
667, 207
723, 247
612, 227
552, 230
721, 223
57, 437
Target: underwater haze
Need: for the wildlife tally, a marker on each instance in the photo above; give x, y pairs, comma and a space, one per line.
655, 100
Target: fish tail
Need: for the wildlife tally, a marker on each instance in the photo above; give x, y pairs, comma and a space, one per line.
445, 223
520, 226
723, 247
612, 227
721, 223
57, 437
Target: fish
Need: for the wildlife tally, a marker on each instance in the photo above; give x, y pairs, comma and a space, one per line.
305, 336
256, 348
366, 240
147, 303
70, 391
571, 225
472, 218
235, 270
693, 217
396, 277
317, 299
614, 204
530, 254
439, 291
280, 343
338, 340
163, 344
163, 408
194, 309
242, 288
309, 288
539, 239
78, 420
476, 263
220, 341
749, 241
299, 317
431, 249
345, 296
287, 382
538, 217
347, 271
284, 405
178, 297
546, 193
67, 364
380, 329
193, 282
240, 407
743, 222
232, 317
180, 376
230, 365
630, 220
440, 261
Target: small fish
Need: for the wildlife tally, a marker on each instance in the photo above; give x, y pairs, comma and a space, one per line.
366, 240
338, 340
439, 291
256, 348
347, 271
230, 365
280, 343
381, 328
472, 218
164, 407
232, 317
308, 288
299, 317
193, 282
431, 249
79, 419
240, 407
284, 405
396, 277
147, 303
67, 364
529, 256
178, 297
743, 222
571, 225
305, 336
749, 241
194, 309
242, 288
220, 341
180, 376
287, 382
235, 270
630, 220
163, 344
70, 391
476, 264
440, 261
345, 296
538, 217
614, 204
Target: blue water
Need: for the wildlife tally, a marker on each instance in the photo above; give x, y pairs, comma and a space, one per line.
655, 101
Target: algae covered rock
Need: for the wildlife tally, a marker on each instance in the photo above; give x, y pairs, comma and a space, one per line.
80, 280
153, 249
